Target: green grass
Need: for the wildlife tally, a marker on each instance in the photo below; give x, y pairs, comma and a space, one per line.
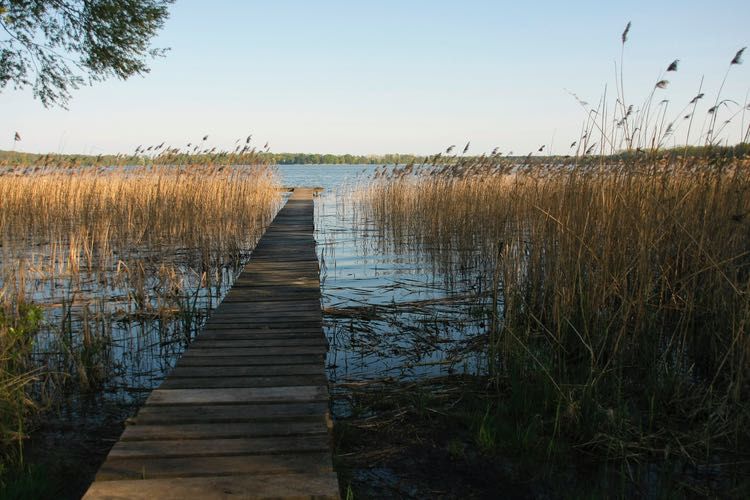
18, 324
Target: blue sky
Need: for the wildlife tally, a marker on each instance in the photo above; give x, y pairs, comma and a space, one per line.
390, 76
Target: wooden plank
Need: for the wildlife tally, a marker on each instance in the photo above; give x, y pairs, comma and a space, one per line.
268, 293
274, 277
278, 257
310, 317
246, 371
230, 413
270, 267
310, 304
275, 293
302, 285
238, 309
278, 266
290, 220
294, 236
274, 322
251, 360
257, 351
264, 326
281, 250
227, 332
268, 327
156, 448
288, 284
291, 325
262, 297
250, 311
302, 305
226, 431
292, 394
150, 468
297, 283
231, 382
290, 245
240, 285
203, 343
269, 315
311, 485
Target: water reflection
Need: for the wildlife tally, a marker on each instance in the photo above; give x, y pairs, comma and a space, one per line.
388, 313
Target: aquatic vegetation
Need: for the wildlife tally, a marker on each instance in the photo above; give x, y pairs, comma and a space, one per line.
18, 324
121, 264
620, 304
619, 289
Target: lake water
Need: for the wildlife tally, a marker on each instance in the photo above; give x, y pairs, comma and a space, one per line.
385, 314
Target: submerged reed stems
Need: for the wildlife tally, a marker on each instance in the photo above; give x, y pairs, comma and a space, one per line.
96, 249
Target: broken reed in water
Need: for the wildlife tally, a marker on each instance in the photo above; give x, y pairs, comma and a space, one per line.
620, 317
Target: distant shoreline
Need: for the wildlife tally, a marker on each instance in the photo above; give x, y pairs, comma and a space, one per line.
177, 157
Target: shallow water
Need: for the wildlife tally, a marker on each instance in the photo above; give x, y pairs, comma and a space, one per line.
386, 314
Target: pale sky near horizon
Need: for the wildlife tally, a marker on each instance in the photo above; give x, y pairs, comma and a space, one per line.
392, 76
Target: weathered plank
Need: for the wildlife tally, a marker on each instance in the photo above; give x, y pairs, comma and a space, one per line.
251, 360
256, 351
157, 448
202, 342
302, 393
246, 371
227, 431
230, 413
264, 295
316, 485
239, 382
302, 305
228, 332
151, 468
283, 318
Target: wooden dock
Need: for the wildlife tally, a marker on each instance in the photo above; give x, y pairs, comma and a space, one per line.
244, 413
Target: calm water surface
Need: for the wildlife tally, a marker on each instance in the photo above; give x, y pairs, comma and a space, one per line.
386, 314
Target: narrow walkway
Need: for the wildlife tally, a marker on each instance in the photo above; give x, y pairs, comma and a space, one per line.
245, 411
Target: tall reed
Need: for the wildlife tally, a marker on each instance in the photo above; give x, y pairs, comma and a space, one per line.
99, 247
618, 323
623, 289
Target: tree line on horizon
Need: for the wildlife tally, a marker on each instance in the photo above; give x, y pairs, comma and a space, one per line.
22, 159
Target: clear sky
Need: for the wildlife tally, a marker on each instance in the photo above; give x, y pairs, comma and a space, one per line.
391, 76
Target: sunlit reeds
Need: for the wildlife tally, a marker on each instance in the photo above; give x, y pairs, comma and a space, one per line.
98, 248
617, 325
622, 291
